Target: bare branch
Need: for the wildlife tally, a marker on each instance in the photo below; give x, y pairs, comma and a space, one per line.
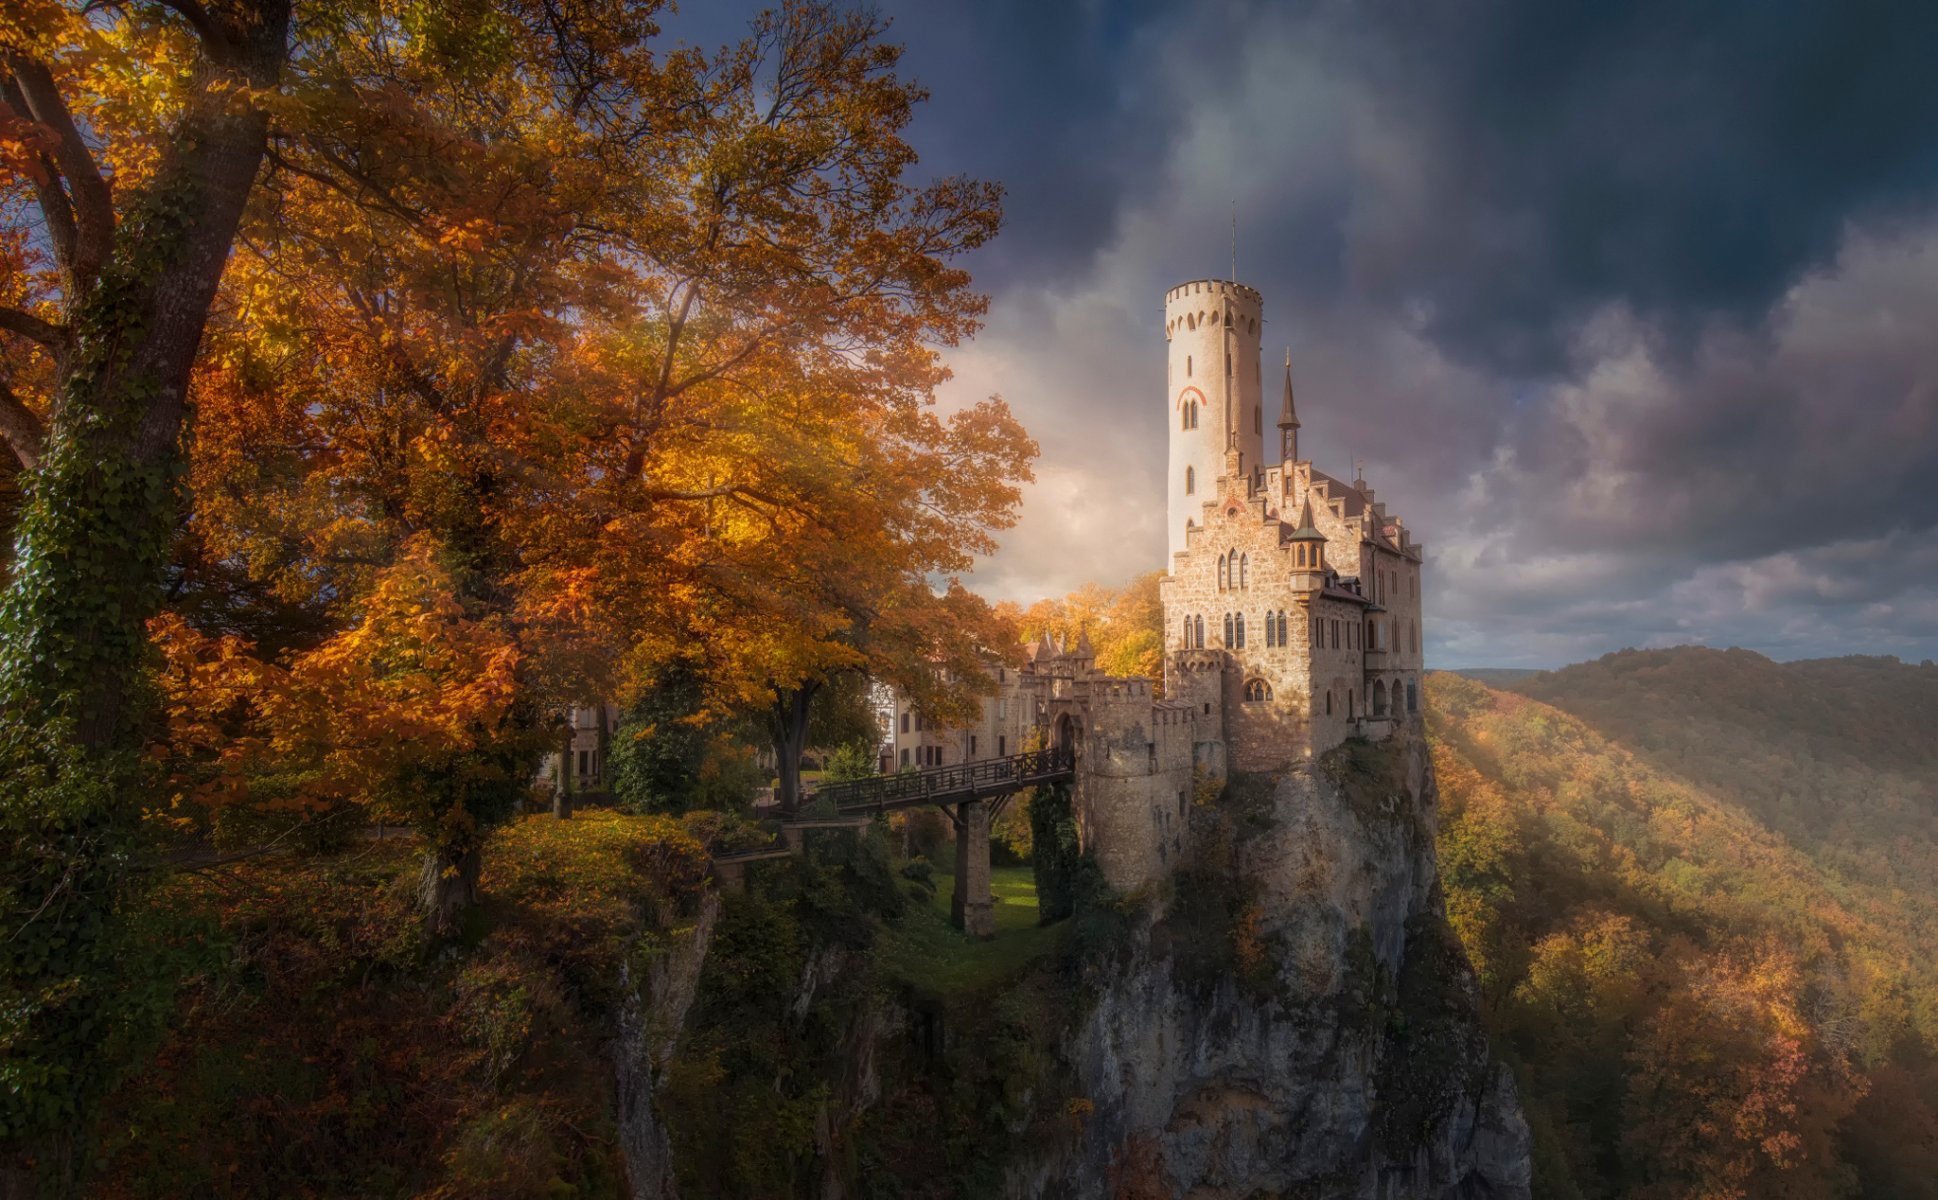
27, 325
93, 204
21, 429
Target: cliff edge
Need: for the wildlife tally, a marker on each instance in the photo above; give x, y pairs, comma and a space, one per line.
1299, 1020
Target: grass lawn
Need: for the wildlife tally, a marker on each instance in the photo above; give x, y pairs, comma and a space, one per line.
927, 951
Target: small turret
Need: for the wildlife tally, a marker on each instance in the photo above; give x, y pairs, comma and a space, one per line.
1308, 553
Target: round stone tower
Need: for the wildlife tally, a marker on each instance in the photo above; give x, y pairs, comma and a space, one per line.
1214, 392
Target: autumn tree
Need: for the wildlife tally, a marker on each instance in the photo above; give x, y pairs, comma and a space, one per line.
130, 137
1125, 625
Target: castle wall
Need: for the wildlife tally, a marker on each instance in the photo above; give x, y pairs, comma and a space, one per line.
1134, 777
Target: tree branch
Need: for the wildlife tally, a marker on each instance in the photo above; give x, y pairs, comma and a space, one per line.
86, 189
27, 325
197, 18
21, 429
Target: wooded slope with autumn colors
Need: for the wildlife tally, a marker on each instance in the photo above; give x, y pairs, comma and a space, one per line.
381, 381
1697, 888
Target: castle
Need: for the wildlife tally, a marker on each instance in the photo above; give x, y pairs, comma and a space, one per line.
1292, 613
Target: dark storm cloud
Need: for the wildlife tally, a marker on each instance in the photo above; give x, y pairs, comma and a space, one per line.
1684, 160
1052, 100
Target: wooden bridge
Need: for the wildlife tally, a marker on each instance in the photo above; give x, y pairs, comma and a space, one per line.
988, 779
972, 794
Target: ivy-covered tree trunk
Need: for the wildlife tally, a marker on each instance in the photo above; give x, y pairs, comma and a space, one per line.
100, 506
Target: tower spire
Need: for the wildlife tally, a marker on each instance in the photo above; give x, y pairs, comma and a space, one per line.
1288, 417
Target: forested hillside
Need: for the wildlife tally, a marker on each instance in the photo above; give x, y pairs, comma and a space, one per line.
1697, 888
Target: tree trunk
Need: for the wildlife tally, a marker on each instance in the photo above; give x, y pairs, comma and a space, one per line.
562, 794
603, 764
447, 887
75, 703
790, 723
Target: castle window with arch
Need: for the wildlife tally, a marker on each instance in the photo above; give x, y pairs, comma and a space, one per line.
1244, 570
1228, 642
1269, 633
1187, 633
1190, 481
1223, 579
1257, 690
1412, 637
1199, 629
1240, 644
1282, 640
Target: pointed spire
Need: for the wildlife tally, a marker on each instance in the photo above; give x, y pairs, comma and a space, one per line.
1043, 651
1288, 416
1083, 642
1306, 532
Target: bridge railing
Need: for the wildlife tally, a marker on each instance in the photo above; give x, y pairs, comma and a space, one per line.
935, 783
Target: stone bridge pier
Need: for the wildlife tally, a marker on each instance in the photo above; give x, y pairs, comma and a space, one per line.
973, 908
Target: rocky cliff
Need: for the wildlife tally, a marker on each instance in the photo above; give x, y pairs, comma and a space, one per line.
1299, 1020
1291, 1017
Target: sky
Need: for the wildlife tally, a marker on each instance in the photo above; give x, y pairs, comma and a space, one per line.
1629, 309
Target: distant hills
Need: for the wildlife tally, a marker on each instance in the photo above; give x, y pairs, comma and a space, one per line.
1701, 890
1495, 676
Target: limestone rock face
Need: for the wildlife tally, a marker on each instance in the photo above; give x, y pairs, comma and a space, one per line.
1349, 1063
648, 1030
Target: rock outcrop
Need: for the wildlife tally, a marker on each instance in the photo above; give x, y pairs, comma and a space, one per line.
1341, 1056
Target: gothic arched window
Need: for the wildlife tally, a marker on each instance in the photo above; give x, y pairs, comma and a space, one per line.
1187, 633
1257, 690
1228, 642
1244, 570
1199, 623
1269, 643
1222, 580
1240, 643
1282, 627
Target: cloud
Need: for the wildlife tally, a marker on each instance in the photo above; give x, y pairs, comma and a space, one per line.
1625, 307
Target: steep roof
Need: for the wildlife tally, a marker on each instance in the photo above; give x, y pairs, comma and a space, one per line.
1352, 500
